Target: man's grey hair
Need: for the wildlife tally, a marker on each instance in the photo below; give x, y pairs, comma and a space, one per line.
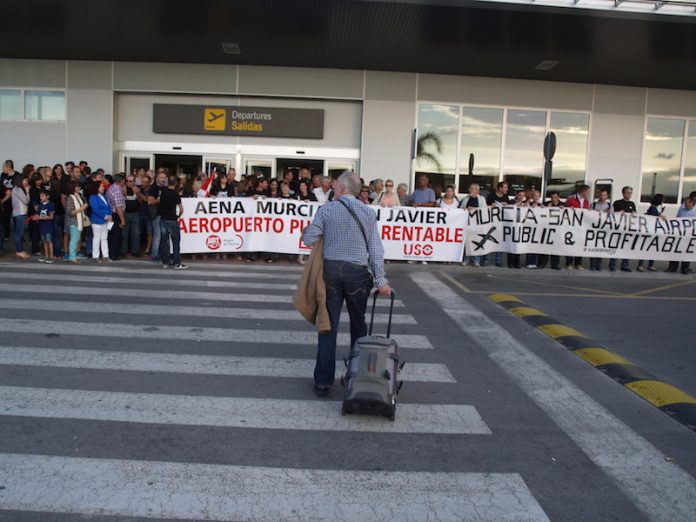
351, 182
403, 186
475, 185
378, 181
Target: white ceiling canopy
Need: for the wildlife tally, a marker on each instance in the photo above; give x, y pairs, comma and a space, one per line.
664, 7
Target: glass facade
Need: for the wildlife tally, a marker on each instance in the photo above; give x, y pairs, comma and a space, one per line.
436, 145
505, 144
10, 104
524, 142
570, 160
662, 155
482, 134
44, 105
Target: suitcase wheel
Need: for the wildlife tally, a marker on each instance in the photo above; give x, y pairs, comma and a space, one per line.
343, 411
393, 417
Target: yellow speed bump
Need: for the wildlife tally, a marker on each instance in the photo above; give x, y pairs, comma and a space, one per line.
500, 298
557, 331
600, 356
525, 311
660, 393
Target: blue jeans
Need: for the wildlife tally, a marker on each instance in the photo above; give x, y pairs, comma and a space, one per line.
19, 232
612, 264
352, 283
74, 241
131, 232
156, 237
169, 229
58, 224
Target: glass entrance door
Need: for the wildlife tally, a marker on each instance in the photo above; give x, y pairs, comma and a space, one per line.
256, 165
133, 162
283, 165
178, 164
219, 164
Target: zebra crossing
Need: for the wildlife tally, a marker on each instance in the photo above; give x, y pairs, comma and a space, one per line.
131, 348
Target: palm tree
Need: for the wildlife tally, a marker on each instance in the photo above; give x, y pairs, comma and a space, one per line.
429, 138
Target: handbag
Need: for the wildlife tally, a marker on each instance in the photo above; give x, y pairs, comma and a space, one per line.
86, 222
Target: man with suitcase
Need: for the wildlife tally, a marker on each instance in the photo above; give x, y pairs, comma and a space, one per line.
353, 259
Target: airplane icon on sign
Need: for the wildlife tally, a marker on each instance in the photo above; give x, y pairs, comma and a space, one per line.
214, 116
214, 119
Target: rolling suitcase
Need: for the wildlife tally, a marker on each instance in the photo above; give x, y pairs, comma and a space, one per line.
371, 382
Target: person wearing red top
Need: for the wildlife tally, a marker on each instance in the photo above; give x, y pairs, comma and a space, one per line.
577, 200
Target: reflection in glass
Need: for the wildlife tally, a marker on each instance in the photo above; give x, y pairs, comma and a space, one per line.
524, 142
44, 105
690, 162
482, 132
570, 160
662, 159
10, 104
436, 147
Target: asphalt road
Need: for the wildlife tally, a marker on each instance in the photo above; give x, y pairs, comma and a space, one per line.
130, 392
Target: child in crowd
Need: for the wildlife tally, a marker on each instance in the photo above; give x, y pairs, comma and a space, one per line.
45, 216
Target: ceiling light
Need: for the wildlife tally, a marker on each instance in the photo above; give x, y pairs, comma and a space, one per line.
231, 48
546, 65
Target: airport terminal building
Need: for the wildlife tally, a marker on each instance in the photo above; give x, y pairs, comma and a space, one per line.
392, 89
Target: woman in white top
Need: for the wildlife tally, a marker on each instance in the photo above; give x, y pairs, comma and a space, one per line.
449, 200
20, 209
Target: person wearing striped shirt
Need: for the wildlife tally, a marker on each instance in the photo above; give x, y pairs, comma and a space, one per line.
353, 261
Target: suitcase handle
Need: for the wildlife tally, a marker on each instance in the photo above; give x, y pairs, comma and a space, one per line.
391, 311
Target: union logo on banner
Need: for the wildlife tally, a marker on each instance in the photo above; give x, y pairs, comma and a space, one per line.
213, 242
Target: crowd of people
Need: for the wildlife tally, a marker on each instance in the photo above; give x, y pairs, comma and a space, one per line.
73, 213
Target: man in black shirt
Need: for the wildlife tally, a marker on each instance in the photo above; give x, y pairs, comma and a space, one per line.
498, 197
169, 203
623, 205
6, 182
131, 232
153, 197
262, 189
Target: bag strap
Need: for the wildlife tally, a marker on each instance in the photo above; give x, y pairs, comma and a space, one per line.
355, 217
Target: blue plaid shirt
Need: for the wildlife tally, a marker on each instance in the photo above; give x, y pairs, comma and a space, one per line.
343, 240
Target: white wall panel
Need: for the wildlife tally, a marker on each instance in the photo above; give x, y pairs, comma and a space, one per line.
40, 143
615, 149
615, 99
175, 77
32, 73
503, 91
386, 150
668, 102
90, 114
390, 86
302, 82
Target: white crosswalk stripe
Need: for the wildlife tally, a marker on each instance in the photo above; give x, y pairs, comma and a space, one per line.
237, 412
129, 269
96, 291
215, 492
193, 364
190, 333
172, 282
219, 311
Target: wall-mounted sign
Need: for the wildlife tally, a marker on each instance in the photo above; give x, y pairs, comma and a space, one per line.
238, 121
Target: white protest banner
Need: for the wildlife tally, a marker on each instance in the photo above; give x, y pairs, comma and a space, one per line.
422, 234
244, 225
210, 225
580, 233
